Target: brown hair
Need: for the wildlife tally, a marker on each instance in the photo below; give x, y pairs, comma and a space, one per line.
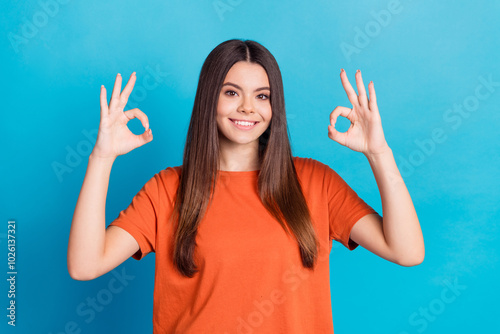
279, 187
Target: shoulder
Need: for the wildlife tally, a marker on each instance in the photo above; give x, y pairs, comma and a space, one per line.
308, 165
170, 172
167, 178
312, 169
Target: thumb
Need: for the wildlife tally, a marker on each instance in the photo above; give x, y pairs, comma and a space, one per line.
339, 137
145, 137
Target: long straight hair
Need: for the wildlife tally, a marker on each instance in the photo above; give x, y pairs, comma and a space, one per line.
278, 184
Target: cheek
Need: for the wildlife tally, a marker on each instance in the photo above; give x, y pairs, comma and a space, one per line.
268, 114
224, 107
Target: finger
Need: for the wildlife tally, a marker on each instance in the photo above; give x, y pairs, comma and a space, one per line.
127, 90
104, 102
146, 136
339, 137
136, 113
339, 111
351, 94
362, 98
373, 97
115, 95
143, 138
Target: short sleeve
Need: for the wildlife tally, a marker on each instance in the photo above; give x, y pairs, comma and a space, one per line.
140, 218
345, 208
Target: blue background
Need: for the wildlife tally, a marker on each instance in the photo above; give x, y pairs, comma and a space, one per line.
425, 59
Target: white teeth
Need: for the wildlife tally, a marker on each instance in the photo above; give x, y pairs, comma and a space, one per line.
244, 123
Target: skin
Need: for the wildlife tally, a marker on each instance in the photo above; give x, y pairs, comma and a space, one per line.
94, 250
397, 236
244, 96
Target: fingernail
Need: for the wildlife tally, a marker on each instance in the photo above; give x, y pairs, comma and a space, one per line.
133, 73
341, 70
119, 74
357, 71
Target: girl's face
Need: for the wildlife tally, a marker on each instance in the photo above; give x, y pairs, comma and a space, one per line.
244, 107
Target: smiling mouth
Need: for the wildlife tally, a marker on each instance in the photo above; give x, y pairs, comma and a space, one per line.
244, 123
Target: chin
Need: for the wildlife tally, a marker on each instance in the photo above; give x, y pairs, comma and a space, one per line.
233, 140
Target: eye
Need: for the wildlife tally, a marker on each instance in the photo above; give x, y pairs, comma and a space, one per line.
264, 96
228, 92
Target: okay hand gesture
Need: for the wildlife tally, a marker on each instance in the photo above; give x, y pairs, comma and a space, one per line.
114, 137
365, 133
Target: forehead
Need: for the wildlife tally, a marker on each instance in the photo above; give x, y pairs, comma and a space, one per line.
247, 74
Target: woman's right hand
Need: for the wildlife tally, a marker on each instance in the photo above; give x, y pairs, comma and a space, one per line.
114, 137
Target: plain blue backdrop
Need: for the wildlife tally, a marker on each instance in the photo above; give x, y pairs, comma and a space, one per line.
437, 76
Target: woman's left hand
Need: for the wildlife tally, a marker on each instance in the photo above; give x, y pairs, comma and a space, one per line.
365, 133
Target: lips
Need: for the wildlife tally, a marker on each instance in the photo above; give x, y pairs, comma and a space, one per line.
242, 126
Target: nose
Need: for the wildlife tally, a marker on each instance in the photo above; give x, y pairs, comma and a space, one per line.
246, 105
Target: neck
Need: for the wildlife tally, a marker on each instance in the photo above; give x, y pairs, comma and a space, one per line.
238, 157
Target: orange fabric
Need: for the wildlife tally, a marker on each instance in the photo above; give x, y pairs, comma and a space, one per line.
251, 277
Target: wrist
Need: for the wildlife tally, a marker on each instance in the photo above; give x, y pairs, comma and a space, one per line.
380, 153
95, 156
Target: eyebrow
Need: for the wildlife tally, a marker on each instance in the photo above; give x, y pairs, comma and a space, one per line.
235, 85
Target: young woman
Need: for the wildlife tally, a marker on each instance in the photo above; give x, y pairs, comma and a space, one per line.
242, 230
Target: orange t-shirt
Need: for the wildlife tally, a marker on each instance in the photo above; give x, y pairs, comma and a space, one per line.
251, 278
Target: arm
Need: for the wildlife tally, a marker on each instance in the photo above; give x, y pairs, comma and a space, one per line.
92, 249
88, 234
397, 237
399, 232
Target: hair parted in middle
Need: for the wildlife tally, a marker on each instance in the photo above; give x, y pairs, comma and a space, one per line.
278, 184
